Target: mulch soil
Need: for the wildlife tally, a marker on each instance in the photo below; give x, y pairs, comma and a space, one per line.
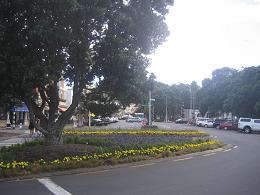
49, 153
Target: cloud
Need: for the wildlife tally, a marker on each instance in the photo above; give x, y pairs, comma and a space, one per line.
206, 35
250, 2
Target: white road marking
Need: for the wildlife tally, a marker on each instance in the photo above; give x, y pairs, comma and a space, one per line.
227, 150
181, 159
136, 166
235, 147
93, 172
210, 154
54, 188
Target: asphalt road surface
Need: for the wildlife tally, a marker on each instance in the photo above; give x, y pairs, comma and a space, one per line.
233, 171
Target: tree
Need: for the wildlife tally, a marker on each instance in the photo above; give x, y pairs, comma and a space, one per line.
214, 91
243, 98
82, 42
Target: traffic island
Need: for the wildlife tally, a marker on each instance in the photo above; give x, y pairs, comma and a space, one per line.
85, 149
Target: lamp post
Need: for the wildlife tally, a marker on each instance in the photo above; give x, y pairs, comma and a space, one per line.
166, 109
150, 107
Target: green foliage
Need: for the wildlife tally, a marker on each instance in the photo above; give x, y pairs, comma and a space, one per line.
233, 91
8, 154
178, 98
83, 42
90, 141
214, 91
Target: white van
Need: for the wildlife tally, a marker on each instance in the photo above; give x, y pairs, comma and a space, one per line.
249, 124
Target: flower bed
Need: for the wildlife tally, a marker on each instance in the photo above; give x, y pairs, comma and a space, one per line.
136, 132
140, 137
114, 147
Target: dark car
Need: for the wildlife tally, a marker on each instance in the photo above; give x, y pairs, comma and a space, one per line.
217, 122
97, 122
181, 121
228, 125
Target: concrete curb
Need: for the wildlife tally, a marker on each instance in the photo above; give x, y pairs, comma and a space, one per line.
104, 168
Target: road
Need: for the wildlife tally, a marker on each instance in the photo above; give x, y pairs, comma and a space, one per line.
235, 171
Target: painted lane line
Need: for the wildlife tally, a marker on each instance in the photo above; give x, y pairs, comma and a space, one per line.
54, 188
235, 147
93, 172
210, 154
144, 165
181, 159
226, 150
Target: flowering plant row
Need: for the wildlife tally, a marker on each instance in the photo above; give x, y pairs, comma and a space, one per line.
116, 154
133, 132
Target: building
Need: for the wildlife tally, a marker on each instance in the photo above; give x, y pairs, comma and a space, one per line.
191, 113
69, 95
62, 95
19, 114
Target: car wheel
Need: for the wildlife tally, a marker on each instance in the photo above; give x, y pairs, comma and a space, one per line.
217, 126
247, 130
206, 126
225, 128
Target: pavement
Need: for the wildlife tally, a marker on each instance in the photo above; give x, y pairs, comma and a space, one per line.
232, 170
21, 135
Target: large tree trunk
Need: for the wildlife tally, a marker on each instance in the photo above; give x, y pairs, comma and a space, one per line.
52, 127
53, 139
54, 133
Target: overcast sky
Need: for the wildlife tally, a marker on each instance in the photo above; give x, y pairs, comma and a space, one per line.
206, 35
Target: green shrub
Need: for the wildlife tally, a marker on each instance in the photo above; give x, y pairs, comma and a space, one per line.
90, 141
7, 156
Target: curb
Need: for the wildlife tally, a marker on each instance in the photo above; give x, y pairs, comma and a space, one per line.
110, 167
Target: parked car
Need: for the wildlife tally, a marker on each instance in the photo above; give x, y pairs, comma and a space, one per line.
248, 124
106, 120
97, 122
181, 121
124, 117
228, 125
207, 123
113, 119
217, 122
200, 120
133, 119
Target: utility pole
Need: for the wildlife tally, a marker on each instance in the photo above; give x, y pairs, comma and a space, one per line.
166, 109
191, 101
150, 108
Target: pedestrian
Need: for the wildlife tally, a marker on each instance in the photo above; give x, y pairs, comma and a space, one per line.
31, 127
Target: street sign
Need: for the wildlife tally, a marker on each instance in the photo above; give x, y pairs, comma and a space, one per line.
92, 115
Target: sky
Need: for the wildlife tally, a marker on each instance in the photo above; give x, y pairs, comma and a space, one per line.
207, 35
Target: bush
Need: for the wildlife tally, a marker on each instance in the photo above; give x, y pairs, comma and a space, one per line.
90, 141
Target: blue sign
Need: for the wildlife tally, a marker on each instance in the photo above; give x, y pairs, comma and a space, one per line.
22, 108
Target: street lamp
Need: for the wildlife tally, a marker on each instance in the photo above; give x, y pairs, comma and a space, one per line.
150, 107
166, 110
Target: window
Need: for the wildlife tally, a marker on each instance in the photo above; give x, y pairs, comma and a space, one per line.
245, 120
257, 121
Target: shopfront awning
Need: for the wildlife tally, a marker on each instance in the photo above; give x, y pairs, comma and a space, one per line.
21, 108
